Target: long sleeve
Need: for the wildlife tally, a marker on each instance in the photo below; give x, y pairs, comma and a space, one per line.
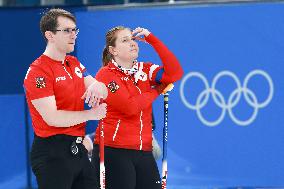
171, 70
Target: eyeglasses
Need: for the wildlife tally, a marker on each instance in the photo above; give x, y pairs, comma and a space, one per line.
69, 30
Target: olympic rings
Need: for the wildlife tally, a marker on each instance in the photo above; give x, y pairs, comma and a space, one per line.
234, 98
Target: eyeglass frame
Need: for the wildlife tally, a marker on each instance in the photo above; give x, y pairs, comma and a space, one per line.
69, 30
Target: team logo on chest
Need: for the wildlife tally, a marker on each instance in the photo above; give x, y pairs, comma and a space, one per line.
140, 75
113, 86
40, 82
78, 72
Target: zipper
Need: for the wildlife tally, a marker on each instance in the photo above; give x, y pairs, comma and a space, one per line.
116, 129
141, 128
141, 123
65, 69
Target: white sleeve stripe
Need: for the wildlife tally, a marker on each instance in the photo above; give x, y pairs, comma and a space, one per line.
28, 73
82, 67
152, 69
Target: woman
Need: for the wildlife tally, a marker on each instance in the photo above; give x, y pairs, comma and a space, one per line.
133, 86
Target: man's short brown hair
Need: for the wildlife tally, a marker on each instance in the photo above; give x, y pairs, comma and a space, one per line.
49, 21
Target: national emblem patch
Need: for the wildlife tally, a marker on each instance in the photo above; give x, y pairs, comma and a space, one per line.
113, 86
40, 82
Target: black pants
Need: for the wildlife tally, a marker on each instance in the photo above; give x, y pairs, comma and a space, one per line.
128, 169
55, 167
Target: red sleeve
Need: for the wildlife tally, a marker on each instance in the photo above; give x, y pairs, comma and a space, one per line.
38, 83
119, 97
172, 70
151, 70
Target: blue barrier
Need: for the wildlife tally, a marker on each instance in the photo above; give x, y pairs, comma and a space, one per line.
12, 134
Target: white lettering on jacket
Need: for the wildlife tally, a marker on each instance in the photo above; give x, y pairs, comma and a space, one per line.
60, 79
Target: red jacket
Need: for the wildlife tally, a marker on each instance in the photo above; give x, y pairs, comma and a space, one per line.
129, 111
48, 77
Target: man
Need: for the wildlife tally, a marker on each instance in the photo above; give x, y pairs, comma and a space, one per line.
55, 87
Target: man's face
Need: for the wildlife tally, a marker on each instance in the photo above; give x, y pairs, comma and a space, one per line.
64, 41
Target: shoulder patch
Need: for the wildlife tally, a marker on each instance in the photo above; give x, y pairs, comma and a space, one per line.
113, 86
40, 82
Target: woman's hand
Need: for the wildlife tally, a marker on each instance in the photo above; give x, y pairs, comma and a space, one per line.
140, 34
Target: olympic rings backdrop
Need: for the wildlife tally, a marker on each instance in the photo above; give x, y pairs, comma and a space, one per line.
226, 115
219, 99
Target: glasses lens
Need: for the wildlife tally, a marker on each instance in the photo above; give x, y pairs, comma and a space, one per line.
70, 30
76, 31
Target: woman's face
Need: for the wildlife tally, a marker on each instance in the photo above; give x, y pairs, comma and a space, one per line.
126, 48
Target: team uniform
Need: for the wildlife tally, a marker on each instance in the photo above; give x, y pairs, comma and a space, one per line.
58, 157
128, 125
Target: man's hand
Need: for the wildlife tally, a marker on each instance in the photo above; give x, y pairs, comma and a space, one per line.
98, 112
94, 93
88, 143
